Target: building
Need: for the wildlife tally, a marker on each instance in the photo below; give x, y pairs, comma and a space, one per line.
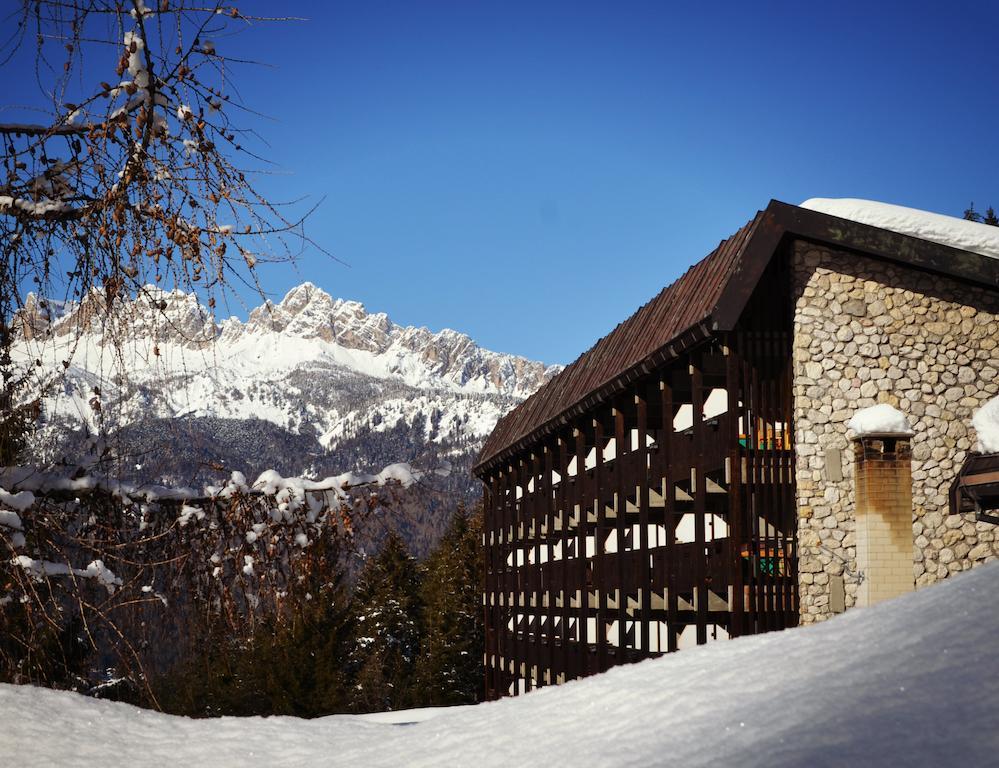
691, 477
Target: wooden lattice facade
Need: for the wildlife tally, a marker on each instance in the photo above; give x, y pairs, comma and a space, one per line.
677, 531
645, 499
687, 537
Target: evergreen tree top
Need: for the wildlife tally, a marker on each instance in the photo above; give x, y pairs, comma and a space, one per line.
990, 217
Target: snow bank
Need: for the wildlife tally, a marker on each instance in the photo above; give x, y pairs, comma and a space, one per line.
986, 424
946, 230
913, 682
879, 419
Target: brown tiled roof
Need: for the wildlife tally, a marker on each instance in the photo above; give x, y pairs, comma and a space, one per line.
710, 296
686, 303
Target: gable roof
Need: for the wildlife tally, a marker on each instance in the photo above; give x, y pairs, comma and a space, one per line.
709, 297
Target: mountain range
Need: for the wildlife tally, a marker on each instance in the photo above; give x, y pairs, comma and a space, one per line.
309, 385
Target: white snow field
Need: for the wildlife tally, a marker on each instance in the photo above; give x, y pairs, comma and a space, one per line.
910, 682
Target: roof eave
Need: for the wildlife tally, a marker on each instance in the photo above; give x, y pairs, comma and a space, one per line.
677, 346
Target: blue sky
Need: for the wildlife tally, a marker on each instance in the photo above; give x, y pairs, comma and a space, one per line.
530, 173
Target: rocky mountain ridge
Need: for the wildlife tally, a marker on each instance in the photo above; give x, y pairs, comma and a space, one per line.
309, 385
445, 359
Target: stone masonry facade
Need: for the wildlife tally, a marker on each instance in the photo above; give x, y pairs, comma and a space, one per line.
865, 332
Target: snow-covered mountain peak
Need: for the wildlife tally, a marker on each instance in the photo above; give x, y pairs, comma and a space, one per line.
309, 364
155, 315
309, 312
307, 324
414, 354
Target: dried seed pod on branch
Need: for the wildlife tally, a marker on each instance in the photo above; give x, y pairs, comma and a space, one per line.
140, 172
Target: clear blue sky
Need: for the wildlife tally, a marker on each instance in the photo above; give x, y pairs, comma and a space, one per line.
530, 173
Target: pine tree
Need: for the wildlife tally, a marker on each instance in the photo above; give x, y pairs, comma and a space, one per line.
990, 216
301, 661
292, 664
388, 625
450, 666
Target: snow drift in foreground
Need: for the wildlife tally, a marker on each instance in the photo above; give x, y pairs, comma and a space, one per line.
946, 230
911, 682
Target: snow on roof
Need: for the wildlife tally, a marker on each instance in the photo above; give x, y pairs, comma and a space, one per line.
912, 681
986, 424
879, 419
946, 230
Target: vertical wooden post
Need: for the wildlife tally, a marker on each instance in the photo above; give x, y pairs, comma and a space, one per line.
504, 635
530, 570
581, 498
791, 506
644, 575
490, 607
735, 495
517, 575
669, 499
547, 598
564, 566
597, 499
699, 490
752, 424
622, 448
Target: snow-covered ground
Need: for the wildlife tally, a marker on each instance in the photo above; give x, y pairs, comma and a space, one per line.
911, 682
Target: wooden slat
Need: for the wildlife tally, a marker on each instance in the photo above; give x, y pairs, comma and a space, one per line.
599, 577
641, 407
583, 583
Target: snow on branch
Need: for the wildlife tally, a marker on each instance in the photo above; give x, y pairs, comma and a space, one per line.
78, 543
42, 569
273, 501
29, 480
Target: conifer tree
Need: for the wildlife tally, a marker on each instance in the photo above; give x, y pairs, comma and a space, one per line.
300, 662
450, 666
292, 664
970, 214
990, 217
387, 615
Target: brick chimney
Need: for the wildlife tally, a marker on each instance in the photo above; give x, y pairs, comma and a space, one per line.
883, 477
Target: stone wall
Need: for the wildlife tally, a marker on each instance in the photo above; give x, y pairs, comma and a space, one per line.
867, 332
